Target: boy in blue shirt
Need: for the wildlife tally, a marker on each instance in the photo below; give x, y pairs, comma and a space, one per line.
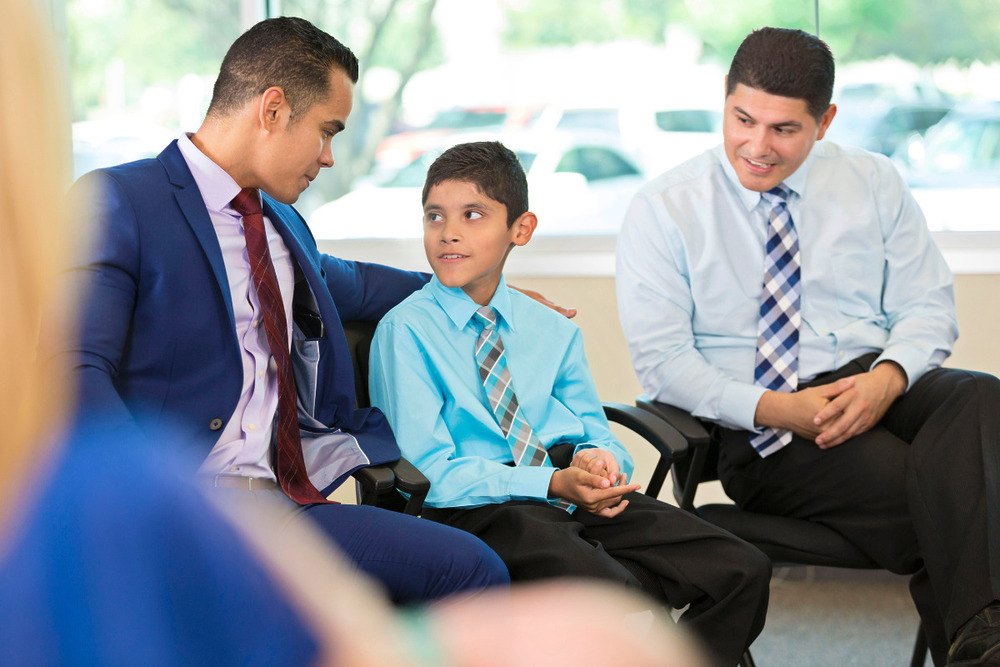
479, 381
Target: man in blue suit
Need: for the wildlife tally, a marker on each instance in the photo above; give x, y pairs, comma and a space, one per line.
173, 324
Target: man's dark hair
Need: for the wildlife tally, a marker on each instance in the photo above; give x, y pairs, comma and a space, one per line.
789, 63
286, 52
491, 167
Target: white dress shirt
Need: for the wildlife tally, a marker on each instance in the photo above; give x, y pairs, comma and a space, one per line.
690, 268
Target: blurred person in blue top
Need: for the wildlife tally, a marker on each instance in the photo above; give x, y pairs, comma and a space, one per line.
870, 435
426, 377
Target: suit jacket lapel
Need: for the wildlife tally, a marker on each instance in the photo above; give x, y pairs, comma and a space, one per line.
192, 205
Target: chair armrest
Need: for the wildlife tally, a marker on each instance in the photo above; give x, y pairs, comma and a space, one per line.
374, 483
687, 472
692, 429
661, 434
668, 441
411, 481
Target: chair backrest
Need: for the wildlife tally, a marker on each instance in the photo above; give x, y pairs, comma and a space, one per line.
359, 340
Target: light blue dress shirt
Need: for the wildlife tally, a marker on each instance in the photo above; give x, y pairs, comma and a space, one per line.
424, 376
690, 267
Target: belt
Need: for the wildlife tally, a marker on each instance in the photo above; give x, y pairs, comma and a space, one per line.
245, 483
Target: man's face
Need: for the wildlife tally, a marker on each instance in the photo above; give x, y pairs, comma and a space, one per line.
767, 137
299, 149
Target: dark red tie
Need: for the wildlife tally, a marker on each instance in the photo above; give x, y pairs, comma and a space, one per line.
289, 465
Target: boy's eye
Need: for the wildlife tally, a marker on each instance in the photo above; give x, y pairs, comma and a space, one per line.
432, 217
473, 215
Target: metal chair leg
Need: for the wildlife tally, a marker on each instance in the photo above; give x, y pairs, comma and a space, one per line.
919, 648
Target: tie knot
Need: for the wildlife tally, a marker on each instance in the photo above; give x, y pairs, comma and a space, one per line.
777, 195
247, 202
487, 317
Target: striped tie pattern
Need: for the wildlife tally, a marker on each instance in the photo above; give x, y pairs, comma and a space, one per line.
289, 465
524, 444
777, 363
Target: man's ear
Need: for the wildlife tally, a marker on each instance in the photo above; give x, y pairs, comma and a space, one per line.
825, 120
273, 109
523, 228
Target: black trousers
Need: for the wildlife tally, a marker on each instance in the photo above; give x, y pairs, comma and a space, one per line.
672, 555
918, 492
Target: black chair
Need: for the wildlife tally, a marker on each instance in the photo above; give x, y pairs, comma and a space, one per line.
382, 485
785, 541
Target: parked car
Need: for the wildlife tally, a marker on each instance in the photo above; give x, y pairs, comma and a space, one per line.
658, 136
955, 171
881, 116
579, 183
401, 148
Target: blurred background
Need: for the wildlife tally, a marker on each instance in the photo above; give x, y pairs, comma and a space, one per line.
596, 96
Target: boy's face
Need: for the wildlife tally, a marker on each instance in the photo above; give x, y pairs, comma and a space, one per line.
767, 137
466, 237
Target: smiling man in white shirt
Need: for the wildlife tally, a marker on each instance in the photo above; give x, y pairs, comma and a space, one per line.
871, 437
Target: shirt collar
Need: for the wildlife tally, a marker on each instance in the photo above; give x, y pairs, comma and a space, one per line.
750, 198
460, 308
217, 187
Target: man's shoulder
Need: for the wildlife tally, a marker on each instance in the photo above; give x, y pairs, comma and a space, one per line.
836, 155
833, 165
143, 176
690, 173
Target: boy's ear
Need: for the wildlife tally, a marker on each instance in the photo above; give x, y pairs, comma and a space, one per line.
523, 228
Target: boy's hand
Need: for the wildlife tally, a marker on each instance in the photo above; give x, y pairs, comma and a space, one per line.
598, 462
568, 312
591, 492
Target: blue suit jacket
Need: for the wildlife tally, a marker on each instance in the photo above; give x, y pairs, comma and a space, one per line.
157, 345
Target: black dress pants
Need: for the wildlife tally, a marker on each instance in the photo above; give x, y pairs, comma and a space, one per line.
672, 555
918, 492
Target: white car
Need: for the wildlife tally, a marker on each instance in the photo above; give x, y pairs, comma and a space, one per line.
955, 173
578, 183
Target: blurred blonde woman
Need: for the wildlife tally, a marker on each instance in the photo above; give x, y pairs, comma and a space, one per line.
104, 557
183, 584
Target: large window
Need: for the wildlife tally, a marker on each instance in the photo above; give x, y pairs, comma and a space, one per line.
604, 95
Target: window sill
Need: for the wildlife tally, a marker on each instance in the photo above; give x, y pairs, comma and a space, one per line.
594, 256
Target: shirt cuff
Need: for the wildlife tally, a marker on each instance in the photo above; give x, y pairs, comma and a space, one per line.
738, 405
531, 482
913, 363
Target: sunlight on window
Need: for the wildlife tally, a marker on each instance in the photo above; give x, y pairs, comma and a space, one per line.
624, 90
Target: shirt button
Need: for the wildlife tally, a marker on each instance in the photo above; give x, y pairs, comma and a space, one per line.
840, 354
251, 427
272, 364
215, 424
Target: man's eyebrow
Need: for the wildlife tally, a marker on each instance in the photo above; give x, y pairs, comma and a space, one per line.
784, 123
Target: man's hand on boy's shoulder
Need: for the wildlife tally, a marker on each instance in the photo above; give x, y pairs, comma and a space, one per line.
591, 492
568, 312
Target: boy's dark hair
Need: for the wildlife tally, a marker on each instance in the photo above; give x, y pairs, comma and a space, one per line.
491, 167
290, 53
790, 63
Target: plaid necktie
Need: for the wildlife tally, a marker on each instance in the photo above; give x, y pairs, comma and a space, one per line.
289, 466
777, 366
524, 444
